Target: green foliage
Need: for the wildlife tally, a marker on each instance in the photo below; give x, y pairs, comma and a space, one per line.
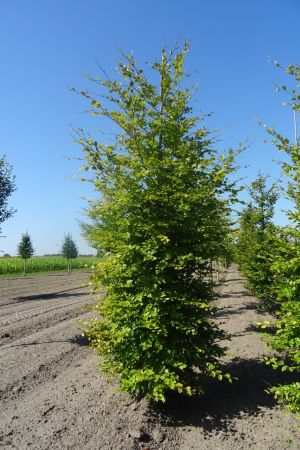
7, 187
25, 249
14, 266
289, 395
257, 242
69, 250
286, 340
162, 215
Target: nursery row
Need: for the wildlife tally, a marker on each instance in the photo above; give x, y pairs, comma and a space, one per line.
269, 257
164, 212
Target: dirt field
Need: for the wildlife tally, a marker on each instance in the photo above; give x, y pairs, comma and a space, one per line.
53, 398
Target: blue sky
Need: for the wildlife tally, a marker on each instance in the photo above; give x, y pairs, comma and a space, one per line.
47, 46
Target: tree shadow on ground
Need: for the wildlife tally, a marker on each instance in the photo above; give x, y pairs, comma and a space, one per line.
223, 402
238, 294
80, 340
257, 328
52, 295
229, 311
229, 280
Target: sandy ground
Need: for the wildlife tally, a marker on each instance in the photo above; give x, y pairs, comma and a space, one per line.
52, 396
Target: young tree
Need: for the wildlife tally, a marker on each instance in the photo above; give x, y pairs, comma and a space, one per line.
7, 187
69, 250
286, 340
264, 199
162, 216
25, 250
256, 243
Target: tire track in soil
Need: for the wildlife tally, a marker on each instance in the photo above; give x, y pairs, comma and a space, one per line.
29, 303
51, 395
18, 313
15, 287
60, 302
40, 319
48, 358
53, 398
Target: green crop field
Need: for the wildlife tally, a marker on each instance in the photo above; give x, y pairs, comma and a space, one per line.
12, 266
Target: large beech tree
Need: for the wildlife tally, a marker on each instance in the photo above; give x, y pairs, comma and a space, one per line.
162, 216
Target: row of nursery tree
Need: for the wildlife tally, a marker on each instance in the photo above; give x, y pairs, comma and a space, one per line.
68, 250
269, 257
164, 212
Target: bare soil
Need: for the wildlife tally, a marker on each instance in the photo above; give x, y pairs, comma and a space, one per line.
52, 396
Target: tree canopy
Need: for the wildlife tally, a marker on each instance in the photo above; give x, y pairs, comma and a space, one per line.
7, 187
286, 339
69, 250
162, 215
25, 249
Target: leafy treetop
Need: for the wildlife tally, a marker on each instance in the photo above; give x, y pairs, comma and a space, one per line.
162, 214
69, 249
25, 249
7, 187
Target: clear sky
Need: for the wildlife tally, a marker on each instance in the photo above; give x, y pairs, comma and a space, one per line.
46, 47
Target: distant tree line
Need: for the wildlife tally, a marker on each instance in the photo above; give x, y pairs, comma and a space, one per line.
69, 250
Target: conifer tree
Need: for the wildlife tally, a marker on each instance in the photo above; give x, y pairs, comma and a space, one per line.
25, 250
69, 250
